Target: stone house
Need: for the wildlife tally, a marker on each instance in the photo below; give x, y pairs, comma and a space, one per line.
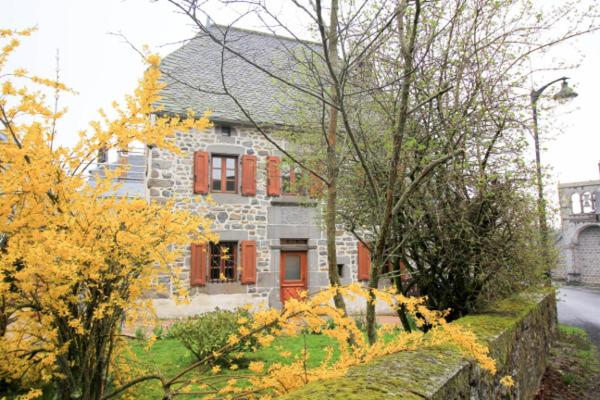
272, 243
579, 237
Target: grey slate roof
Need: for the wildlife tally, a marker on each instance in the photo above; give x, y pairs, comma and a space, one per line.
193, 75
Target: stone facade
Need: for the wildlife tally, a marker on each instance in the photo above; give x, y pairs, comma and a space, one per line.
262, 218
579, 239
196, 77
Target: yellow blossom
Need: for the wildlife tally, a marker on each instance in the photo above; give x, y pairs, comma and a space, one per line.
78, 254
233, 340
256, 366
507, 381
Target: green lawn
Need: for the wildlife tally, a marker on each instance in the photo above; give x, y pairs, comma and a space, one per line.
168, 356
573, 370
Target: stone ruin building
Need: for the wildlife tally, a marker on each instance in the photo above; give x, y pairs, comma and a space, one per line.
579, 236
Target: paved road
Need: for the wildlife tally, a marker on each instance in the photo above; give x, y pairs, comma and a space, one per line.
580, 307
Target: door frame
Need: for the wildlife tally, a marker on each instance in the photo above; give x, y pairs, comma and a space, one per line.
302, 283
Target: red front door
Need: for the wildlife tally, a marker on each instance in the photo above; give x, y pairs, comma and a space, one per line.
293, 274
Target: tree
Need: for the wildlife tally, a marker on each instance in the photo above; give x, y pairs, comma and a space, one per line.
459, 159
75, 260
469, 241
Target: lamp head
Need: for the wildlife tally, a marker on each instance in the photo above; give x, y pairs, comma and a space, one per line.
565, 92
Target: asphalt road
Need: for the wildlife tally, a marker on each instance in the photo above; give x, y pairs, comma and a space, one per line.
580, 306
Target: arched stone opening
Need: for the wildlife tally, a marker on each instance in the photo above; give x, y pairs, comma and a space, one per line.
587, 254
583, 202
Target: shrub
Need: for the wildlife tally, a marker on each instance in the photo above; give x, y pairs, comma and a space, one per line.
467, 243
139, 333
209, 332
361, 322
158, 332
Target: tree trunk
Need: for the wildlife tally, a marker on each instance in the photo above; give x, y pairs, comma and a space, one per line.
332, 167
407, 47
400, 290
87, 360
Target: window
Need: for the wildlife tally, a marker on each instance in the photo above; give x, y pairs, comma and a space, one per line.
340, 270
588, 202
224, 174
291, 179
225, 130
223, 262
294, 241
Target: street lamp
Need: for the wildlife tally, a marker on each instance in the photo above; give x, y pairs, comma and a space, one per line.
565, 93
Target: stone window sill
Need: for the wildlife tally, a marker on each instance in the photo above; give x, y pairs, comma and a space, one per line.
290, 200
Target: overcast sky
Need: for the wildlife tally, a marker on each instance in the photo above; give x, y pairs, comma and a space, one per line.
102, 68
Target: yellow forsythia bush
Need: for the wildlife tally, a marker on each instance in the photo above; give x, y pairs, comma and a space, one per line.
316, 314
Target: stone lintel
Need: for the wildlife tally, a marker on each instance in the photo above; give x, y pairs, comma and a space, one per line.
232, 235
225, 149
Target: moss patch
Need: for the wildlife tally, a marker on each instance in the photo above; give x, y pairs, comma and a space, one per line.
441, 372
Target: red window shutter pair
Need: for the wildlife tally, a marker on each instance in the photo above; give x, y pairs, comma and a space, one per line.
364, 262
202, 171
273, 176
199, 263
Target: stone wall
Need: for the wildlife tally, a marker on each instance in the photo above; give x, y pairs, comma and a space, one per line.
519, 333
262, 218
587, 254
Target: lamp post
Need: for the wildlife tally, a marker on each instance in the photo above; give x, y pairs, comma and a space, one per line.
564, 93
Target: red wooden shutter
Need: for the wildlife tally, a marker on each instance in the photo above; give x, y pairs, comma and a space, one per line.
201, 172
198, 264
248, 175
248, 256
404, 274
315, 187
273, 176
364, 262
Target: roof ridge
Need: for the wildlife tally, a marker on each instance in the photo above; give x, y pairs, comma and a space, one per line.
262, 33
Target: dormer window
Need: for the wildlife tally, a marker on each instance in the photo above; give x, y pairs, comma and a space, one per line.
225, 130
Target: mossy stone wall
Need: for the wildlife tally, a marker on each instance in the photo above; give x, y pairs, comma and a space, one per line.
519, 333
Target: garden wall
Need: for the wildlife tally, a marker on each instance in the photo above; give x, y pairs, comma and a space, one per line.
518, 331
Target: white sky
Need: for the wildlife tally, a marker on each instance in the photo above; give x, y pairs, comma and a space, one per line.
101, 68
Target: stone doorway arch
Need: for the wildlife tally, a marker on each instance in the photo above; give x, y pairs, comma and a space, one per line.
587, 254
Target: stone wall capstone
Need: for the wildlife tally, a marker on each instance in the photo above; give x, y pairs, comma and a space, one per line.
519, 333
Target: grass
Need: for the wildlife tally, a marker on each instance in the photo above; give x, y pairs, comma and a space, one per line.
569, 330
585, 353
574, 368
168, 356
